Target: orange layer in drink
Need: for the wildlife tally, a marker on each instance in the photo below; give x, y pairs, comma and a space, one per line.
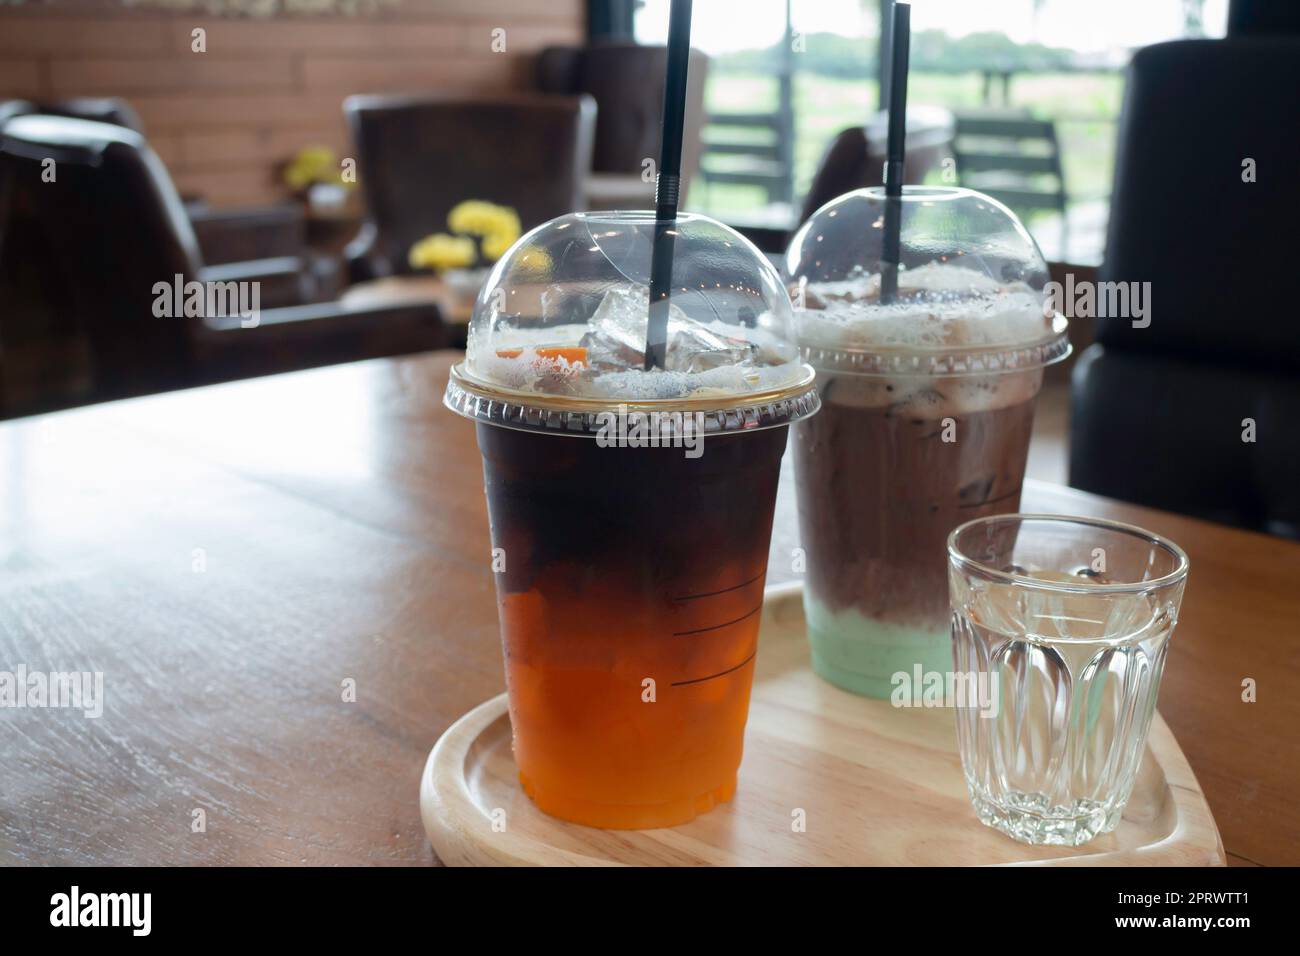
629, 710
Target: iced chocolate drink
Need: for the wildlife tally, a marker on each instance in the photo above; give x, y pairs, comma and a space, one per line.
927, 411
630, 510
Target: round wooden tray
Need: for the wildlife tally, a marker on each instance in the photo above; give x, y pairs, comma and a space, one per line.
874, 785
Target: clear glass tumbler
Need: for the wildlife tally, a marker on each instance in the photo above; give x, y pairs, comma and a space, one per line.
1062, 624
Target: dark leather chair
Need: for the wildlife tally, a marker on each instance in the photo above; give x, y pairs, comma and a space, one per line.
9, 109
1158, 412
99, 109
626, 80
418, 156
1263, 18
224, 235
79, 260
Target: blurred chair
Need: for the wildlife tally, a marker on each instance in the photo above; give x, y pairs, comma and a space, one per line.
626, 80
1014, 158
751, 149
419, 156
243, 233
9, 109
224, 235
98, 109
79, 260
1263, 18
855, 158
1160, 413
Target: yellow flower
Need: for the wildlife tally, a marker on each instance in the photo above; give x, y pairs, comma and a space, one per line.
469, 216
507, 225
441, 251
495, 245
312, 164
478, 218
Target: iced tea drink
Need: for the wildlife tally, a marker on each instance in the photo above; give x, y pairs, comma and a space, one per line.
630, 508
629, 608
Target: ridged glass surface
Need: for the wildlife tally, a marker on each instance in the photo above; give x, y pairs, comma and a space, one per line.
1054, 759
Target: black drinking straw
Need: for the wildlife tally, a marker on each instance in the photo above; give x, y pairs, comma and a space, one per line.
668, 182
891, 253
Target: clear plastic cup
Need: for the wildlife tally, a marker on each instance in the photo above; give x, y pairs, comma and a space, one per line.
631, 510
927, 410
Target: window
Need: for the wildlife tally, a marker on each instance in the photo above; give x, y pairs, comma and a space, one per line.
1034, 86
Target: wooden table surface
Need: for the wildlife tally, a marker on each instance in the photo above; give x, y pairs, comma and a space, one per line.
230, 558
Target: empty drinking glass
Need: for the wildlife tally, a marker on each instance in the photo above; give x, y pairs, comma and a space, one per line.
1066, 622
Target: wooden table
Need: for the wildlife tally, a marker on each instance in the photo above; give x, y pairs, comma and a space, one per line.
230, 557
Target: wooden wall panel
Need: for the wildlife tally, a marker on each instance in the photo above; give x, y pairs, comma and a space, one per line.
225, 119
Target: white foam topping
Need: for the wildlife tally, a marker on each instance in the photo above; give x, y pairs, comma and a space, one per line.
941, 307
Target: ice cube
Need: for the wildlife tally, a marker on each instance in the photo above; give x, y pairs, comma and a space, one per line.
616, 337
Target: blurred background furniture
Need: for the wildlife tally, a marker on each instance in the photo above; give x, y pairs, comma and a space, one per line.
277, 230
751, 149
99, 109
233, 235
1249, 18
421, 155
1014, 158
1159, 413
855, 158
224, 234
626, 82
79, 260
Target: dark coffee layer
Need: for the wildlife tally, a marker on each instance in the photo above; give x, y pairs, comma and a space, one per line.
651, 519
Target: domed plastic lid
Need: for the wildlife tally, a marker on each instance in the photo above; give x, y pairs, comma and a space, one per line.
970, 294
558, 332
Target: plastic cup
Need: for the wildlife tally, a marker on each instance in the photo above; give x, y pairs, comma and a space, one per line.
878, 495
927, 413
629, 575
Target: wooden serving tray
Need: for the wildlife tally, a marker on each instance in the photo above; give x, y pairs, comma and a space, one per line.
878, 786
